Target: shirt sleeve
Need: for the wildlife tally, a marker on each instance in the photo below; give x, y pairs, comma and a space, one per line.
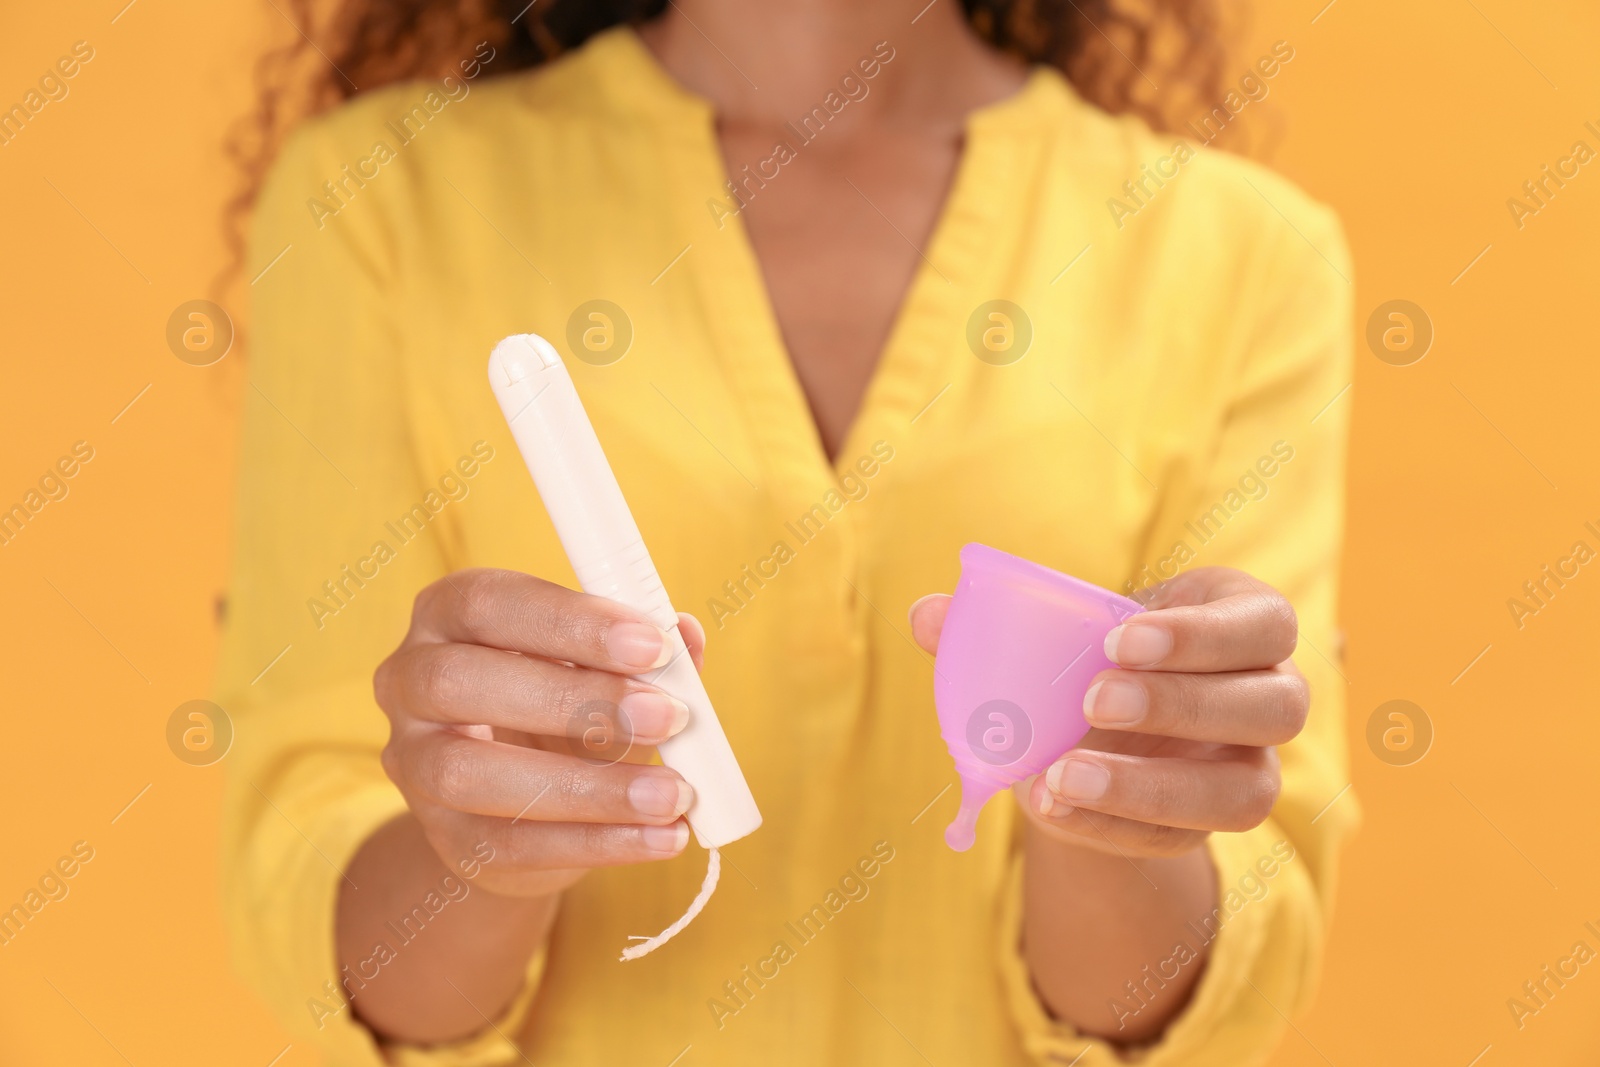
1268, 500
330, 549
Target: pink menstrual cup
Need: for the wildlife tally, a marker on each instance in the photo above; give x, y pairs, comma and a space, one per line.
1020, 646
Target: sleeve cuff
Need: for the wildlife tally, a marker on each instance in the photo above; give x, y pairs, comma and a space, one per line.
494, 1045
346, 1041
1229, 1021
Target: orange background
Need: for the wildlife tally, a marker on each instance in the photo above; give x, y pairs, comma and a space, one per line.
1471, 469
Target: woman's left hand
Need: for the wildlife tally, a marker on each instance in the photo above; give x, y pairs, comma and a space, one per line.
1183, 735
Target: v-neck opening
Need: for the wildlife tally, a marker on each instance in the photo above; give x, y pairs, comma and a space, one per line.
750, 346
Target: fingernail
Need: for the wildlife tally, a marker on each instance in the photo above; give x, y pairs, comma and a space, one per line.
1138, 646
668, 839
911, 612
654, 715
659, 795
1078, 779
680, 715
1051, 808
1114, 703
637, 645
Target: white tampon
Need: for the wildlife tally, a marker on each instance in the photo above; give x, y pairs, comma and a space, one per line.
607, 553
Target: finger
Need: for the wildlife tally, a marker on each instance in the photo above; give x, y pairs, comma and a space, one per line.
479, 777
1224, 795
927, 620
556, 845
1256, 708
694, 638
1251, 627
470, 684
518, 858
521, 613
1112, 834
1200, 585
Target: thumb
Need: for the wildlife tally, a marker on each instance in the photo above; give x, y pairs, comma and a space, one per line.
927, 620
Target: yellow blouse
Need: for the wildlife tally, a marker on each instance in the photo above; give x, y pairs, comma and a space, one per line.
1162, 390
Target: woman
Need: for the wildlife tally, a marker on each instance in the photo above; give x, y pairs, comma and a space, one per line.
843, 286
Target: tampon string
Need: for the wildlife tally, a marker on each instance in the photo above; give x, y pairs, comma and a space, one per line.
707, 887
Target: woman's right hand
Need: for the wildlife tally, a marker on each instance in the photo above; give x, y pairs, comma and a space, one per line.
513, 721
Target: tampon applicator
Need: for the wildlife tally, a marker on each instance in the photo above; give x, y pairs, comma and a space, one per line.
1020, 646
608, 555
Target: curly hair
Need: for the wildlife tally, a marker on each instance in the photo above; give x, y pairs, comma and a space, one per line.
1153, 58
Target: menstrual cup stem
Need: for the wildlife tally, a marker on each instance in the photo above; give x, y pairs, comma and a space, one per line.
963, 831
